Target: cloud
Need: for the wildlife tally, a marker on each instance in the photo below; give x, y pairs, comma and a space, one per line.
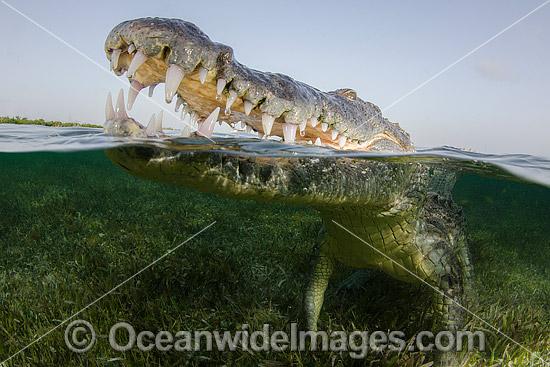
496, 71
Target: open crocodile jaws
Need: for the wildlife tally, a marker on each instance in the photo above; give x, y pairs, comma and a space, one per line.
205, 75
377, 214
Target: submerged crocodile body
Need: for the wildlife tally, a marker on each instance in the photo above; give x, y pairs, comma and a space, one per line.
377, 215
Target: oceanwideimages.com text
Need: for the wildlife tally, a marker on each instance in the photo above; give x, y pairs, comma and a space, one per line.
80, 336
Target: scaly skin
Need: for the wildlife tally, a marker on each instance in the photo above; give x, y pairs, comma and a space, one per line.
377, 215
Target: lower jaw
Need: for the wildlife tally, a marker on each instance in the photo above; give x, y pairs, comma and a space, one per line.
289, 133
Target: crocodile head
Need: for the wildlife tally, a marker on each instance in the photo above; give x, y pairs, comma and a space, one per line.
206, 78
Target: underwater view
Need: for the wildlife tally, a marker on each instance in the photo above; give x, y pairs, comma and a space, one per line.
82, 239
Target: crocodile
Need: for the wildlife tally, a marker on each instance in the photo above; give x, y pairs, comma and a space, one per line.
376, 214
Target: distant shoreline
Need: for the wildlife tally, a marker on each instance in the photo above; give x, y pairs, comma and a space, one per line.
25, 121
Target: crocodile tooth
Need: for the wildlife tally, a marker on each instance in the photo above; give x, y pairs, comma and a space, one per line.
193, 118
174, 76
158, 123
309, 142
248, 129
150, 129
184, 111
109, 110
232, 97
135, 87
333, 134
207, 126
120, 112
248, 107
138, 59
202, 74
313, 121
179, 102
324, 126
318, 142
186, 131
114, 58
221, 84
151, 89
289, 132
267, 123
131, 48
342, 141
303, 128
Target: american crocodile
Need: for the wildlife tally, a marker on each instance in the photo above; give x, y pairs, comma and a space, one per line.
377, 215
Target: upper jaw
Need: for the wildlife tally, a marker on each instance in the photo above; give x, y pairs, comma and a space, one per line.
203, 76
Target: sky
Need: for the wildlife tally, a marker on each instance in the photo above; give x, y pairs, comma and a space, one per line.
494, 100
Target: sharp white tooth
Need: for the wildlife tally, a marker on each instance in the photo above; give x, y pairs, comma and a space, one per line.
202, 74
174, 76
267, 123
131, 48
303, 128
151, 89
184, 112
114, 58
207, 127
324, 126
318, 142
179, 102
135, 87
313, 121
232, 97
342, 141
333, 134
193, 118
248, 107
221, 84
150, 129
139, 58
289, 132
309, 142
158, 123
186, 131
248, 129
363, 144
109, 110
120, 112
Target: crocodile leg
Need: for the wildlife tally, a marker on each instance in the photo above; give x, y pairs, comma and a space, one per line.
449, 318
315, 293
